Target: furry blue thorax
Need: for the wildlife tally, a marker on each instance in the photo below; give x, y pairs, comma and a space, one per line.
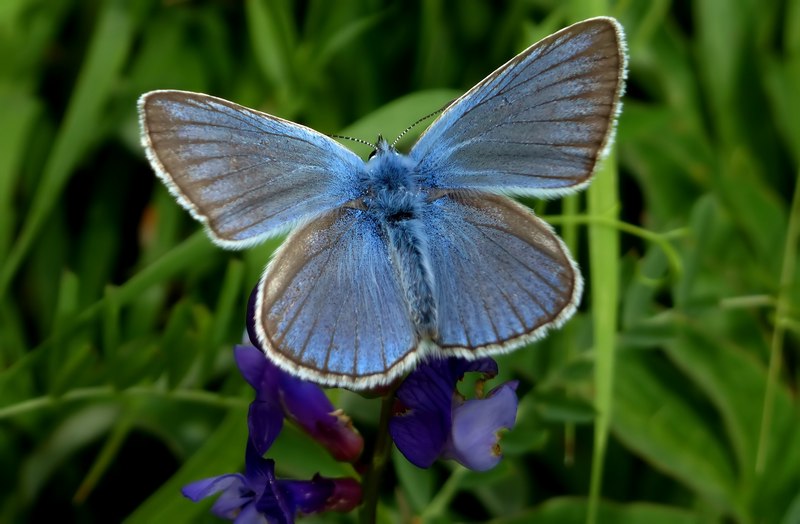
391, 191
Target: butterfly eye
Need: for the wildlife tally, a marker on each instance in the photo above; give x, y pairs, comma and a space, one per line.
372, 155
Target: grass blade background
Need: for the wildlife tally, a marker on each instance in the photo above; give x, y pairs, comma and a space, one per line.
108, 50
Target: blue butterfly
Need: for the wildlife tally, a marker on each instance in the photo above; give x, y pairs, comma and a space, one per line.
404, 257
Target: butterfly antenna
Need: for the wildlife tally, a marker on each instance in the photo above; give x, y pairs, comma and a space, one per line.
409, 128
354, 140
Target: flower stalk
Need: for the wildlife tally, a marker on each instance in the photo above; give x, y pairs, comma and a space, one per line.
380, 457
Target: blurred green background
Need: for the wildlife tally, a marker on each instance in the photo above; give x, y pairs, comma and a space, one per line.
117, 315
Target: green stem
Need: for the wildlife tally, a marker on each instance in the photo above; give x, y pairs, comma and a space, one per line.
604, 260
781, 313
442, 500
105, 458
660, 239
101, 393
380, 457
569, 232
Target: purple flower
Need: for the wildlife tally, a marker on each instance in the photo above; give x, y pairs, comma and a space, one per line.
259, 497
432, 420
280, 395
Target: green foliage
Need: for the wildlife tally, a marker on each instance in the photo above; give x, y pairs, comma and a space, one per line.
117, 315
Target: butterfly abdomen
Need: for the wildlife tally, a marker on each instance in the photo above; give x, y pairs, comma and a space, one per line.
411, 259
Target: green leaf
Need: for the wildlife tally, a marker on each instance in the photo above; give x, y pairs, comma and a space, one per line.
274, 41
19, 113
653, 420
176, 346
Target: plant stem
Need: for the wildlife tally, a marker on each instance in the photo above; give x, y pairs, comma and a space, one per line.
108, 393
569, 232
783, 303
440, 503
604, 272
380, 457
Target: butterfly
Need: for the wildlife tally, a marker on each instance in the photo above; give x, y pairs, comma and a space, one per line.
412, 256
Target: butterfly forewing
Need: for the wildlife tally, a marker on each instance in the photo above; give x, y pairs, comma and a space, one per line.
538, 124
330, 306
245, 174
503, 277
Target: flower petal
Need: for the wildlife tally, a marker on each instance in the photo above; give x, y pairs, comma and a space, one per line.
474, 438
308, 496
323, 494
235, 493
346, 495
201, 489
258, 471
258, 497
259, 372
233, 503
306, 405
422, 421
265, 422
270, 500
420, 435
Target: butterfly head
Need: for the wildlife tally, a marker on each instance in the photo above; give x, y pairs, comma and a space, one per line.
389, 188
382, 147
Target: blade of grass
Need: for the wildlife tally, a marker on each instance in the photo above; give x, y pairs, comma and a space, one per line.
437, 508
172, 263
782, 311
603, 200
273, 39
345, 36
228, 301
19, 114
107, 52
116, 438
662, 240
101, 394
569, 232
604, 272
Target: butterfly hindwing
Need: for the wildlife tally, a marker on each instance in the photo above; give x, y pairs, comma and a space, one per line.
245, 174
538, 124
330, 307
503, 277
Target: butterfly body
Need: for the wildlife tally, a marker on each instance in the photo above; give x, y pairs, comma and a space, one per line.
403, 257
395, 201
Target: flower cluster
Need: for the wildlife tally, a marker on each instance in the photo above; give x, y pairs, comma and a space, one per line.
431, 420
258, 496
